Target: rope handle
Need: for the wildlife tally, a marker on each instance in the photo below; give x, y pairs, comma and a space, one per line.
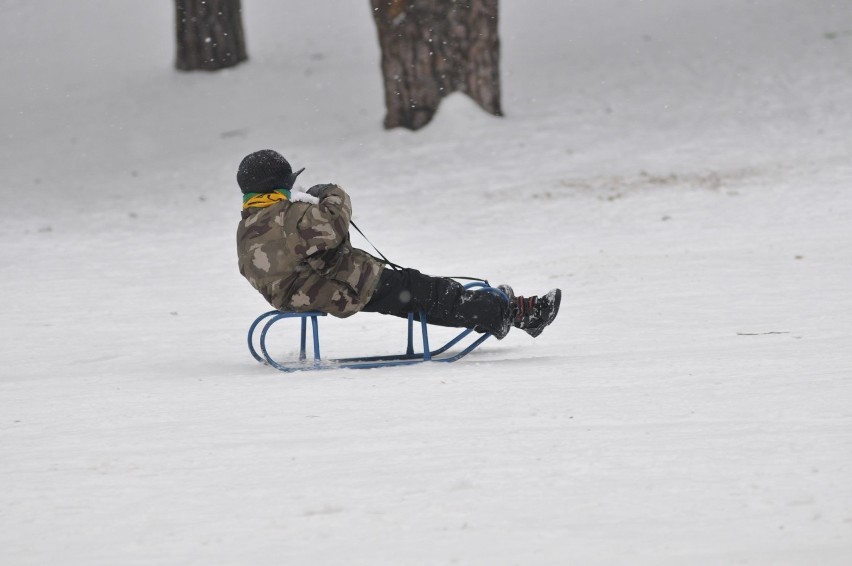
396, 267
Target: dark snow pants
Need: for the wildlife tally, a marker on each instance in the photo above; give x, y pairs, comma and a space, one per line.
445, 301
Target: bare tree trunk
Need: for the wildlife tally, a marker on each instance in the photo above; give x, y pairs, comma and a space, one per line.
431, 48
209, 34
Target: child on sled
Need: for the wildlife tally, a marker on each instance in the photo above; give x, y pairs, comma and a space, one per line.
293, 247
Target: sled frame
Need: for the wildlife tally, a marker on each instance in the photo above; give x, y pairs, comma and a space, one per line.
410, 357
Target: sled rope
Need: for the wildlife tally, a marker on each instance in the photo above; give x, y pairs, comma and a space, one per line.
397, 267
386, 260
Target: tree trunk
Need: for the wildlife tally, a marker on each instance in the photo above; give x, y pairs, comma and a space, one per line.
209, 34
431, 48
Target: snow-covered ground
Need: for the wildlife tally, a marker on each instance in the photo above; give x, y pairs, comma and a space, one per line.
680, 169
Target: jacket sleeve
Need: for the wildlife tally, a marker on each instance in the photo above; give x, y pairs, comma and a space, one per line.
325, 226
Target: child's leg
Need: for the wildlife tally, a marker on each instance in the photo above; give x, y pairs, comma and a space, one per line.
445, 302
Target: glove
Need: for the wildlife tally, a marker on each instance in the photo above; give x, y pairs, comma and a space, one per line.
320, 191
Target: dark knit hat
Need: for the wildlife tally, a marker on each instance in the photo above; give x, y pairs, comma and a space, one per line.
264, 171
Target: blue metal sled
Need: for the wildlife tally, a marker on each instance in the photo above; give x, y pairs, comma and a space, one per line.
410, 357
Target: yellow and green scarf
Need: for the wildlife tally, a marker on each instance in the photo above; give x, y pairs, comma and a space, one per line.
262, 200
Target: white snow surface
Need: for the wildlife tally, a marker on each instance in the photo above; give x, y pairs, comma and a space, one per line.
680, 169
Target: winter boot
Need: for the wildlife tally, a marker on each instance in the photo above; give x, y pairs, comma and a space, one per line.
533, 314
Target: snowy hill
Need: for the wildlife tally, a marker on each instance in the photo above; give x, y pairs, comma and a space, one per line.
680, 170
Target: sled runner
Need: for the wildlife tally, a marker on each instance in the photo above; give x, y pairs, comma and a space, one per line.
265, 321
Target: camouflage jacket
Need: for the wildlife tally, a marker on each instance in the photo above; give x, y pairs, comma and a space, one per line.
298, 256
